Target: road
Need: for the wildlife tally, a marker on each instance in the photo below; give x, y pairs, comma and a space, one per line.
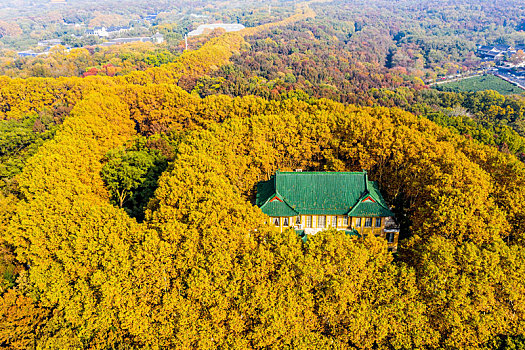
505, 74
456, 78
499, 72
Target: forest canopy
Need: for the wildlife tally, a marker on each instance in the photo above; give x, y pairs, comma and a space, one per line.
127, 200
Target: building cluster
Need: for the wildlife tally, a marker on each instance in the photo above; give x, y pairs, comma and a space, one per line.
208, 28
48, 44
310, 202
157, 39
150, 17
499, 52
106, 32
32, 53
103, 32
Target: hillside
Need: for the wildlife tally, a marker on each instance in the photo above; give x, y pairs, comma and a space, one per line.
127, 200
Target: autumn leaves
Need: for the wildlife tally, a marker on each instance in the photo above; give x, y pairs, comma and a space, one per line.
204, 271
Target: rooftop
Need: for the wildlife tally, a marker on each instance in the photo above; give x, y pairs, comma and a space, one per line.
321, 193
210, 27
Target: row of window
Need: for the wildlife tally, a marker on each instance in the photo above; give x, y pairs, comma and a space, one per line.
321, 221
368, 222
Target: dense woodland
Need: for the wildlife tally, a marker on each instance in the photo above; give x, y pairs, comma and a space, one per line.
126, 194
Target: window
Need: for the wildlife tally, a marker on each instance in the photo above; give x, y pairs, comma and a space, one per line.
345, 221
276, 222
298, 220
378, 222
358, 222
390, 237
368, 222
322, 221
285, 222
334, 221
309, 221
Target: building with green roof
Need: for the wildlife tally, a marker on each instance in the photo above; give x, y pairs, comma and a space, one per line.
314, 201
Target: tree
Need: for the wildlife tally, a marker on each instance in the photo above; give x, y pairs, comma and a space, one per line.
22, 320
131, 175
518, 57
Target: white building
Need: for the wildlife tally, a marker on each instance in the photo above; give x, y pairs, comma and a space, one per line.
50, 42
206, 28
157, 38
98, 31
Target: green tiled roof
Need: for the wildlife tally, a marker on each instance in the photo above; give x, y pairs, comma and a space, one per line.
369, 209
279, 208
371, 203
320, 193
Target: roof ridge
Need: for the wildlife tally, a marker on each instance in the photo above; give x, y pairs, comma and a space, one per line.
320, 172
353, 210
319, 192
282, 200
377, 195
285, 201
369, 193
279, 196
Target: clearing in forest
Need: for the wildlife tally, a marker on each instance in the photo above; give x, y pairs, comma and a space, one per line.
481, 83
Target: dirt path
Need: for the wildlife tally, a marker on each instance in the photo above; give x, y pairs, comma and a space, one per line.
453, 80
302, 11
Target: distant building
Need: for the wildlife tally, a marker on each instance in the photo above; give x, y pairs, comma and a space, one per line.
108, 43
31, 53
485, 49
198, 16
310, 202
150, 17
98, 31
489, 53
130, 40
495, 52
157, 38
503, 48
50, 43
116, 29
205, 28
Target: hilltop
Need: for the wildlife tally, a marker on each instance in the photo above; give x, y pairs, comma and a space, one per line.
127, 197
